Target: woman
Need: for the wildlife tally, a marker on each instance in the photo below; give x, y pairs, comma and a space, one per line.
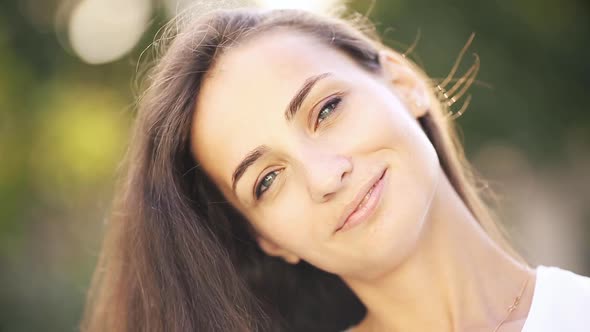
288, 172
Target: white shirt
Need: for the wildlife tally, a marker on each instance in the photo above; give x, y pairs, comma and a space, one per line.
561, 302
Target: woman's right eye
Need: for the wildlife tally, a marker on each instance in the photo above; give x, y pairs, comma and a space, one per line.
266, 182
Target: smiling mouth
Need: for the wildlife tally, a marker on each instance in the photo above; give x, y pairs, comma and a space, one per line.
366, 206
367, 196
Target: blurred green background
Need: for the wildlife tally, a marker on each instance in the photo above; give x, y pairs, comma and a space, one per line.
67, 101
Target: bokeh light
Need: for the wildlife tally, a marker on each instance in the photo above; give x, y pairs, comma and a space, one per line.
101, 31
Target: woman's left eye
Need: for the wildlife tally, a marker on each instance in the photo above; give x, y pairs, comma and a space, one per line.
327, 109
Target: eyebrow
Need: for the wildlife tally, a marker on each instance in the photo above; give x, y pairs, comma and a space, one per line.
290, 113
300, 96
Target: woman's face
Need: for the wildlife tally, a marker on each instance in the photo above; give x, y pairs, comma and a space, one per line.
305, 169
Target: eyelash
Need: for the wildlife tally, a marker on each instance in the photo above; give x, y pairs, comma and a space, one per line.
331, 103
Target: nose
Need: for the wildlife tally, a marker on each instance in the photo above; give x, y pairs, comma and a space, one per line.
326, 173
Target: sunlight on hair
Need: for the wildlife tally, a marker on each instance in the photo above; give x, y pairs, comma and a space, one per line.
318, 6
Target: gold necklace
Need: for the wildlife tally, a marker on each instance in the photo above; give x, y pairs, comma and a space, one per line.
514, 305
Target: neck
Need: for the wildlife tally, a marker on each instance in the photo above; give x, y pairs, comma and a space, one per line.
456, 279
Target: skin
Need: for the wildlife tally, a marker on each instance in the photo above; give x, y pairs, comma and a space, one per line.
421, 262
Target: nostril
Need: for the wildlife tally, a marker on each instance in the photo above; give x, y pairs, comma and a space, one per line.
328, 196
348, 168
344, 174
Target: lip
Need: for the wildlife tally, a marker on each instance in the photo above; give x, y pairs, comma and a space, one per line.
353, 205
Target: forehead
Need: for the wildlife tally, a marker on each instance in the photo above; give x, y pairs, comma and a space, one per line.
243, 99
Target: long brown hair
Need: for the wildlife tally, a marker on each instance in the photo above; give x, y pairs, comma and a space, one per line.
177, 256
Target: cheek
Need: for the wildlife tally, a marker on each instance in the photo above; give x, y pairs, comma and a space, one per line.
289, 225
378, 113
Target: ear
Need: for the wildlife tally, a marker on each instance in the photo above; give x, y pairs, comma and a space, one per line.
272, 249
406, 82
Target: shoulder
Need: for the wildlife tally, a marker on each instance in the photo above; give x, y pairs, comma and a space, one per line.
560, 301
